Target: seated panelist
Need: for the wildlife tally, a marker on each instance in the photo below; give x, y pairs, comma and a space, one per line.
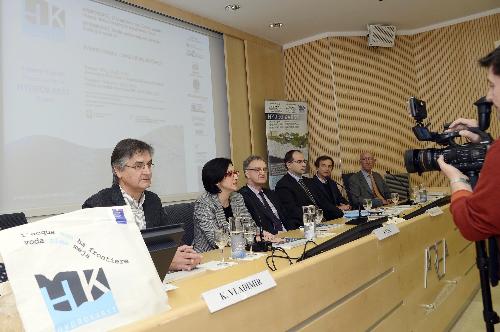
368, 184
262, 203
294, 191
325, 185
132, 168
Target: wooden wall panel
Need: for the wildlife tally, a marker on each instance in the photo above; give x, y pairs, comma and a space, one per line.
357, 95
237, 101
264, 68
309, 78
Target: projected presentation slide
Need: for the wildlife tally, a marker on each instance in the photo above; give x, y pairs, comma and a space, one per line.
77, 77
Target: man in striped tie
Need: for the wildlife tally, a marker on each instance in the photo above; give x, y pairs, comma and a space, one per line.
368, 184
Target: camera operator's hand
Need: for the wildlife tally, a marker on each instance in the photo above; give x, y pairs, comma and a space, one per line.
461, 126
458, 180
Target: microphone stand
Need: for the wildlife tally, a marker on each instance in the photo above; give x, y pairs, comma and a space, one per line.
360, 219
407, 188
260, 246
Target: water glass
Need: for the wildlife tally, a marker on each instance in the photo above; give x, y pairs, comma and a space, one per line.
249, 232
367, 204
221, 237
395, 198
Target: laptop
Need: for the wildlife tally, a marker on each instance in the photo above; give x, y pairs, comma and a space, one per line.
162, 243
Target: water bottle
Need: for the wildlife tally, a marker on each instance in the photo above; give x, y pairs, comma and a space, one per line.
237, 238
423, 193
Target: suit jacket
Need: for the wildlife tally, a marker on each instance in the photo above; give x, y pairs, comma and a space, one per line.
209, 215
153, 211
361, 190
293, 198
320, 187
262, 216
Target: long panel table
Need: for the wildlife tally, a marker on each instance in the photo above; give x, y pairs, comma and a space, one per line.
365, 285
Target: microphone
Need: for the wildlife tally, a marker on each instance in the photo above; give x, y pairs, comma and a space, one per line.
360, 219
402, 185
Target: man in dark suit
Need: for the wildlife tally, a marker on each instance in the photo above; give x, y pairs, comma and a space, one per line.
324, 184
132, 165
261, 202
367, 184
294, 192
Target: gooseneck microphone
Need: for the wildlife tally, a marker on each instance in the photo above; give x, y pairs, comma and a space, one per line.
407, 189
360, 219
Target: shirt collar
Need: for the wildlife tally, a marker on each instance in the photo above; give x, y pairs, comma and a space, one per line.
320, 179
253, 189
130, 199
297, 178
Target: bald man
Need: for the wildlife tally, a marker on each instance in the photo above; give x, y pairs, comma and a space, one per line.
368, 184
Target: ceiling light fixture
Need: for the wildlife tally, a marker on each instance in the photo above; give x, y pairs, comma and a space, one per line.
276, 25
233, 7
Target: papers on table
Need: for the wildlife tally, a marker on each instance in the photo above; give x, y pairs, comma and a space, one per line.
216, 265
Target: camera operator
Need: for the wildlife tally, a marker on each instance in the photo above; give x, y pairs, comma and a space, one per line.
477, 214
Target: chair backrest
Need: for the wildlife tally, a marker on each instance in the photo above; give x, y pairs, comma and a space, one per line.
398, 183
345, 179
182, 213
12, 220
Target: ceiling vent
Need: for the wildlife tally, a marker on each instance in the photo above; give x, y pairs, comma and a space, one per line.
381, 35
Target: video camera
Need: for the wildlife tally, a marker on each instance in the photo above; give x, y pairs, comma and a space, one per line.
467, 157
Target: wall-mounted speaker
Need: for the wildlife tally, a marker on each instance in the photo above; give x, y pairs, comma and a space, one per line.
381, 35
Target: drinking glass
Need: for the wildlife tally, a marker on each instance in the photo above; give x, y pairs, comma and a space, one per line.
249, 231
318, 217
367, 204
395, 198
221, 237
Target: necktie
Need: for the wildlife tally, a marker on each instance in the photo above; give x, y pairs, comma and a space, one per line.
308, 193
375, 188
276, 222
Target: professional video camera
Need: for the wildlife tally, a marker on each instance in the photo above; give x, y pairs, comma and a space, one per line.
466, 157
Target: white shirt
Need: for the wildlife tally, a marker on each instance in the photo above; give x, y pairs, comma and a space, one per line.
136, 207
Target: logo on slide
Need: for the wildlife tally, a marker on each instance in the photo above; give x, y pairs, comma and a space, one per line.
76, 298
45, 14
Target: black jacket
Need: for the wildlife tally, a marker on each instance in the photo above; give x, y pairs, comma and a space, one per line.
259, 213
320, 187
293, 198
153, 210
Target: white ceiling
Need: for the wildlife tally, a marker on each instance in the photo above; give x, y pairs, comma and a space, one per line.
304, 19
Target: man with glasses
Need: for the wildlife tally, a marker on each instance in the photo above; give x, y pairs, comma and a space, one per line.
261, 202
132, 165
367, 184
294, 191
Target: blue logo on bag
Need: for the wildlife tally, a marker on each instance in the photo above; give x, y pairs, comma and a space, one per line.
76, 298
119, 216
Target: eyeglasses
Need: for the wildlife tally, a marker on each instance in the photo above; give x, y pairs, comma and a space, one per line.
232, 173
299, 161
367, 159
258, 169
141, 166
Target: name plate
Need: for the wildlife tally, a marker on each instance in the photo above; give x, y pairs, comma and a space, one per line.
435, 211
386, 231
229, 294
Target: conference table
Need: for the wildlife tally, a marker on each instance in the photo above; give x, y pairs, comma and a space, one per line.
420, 279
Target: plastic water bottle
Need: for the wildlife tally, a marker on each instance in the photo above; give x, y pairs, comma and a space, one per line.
237, 238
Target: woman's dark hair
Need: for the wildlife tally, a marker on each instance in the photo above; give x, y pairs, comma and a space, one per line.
492, 60
214, 172
124, 150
